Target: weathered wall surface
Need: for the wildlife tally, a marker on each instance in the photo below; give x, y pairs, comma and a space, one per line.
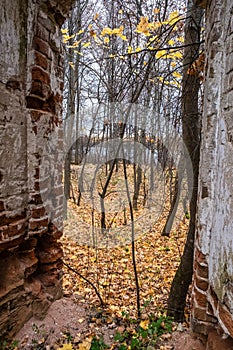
31, 82
213, 276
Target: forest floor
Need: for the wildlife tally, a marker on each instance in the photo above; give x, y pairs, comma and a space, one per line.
100, 306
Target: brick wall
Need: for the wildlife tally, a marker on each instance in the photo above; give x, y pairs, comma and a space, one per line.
31, 200
213, 268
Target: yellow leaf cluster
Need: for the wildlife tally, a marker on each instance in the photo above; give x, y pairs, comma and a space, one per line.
169, 54
66, 37
173, 18
114, 31
145, 27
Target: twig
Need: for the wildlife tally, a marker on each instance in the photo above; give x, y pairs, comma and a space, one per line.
133, 241
85, 279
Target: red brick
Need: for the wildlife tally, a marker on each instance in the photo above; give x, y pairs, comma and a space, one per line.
201, 327
38, 212
200, 282
50, 254
199, 256
202, 271
41, 32
200, 298
201, 315
1, 206
35, 116
46, 90
41, 46
36, 88
34, 102
47, 23
17, 228
36, 199
216, 342
12, 243
37, 224
40, 75
213, 298
41, 60
6, 220
226, 318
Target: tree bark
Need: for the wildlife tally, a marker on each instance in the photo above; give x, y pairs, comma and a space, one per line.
191, 138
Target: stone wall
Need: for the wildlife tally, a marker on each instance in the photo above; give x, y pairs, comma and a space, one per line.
213, 269
31, 200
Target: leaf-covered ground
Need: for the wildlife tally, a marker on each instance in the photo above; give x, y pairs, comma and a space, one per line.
98, 267
106, 258
111, 271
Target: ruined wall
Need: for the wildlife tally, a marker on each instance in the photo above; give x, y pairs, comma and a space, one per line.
213, 269
31, 201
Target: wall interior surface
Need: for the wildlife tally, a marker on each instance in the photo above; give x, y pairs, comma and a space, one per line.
31, 195
213, 266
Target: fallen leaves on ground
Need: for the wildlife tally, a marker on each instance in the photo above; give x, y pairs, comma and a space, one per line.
108, 266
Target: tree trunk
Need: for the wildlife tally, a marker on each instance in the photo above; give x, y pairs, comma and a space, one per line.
191, 137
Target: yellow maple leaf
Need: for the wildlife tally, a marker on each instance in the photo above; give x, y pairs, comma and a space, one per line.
171, 42
160, 54
156, 10
144, 324
80, 31
79, 53
130, 49
118, 30
96, 16
64, 31
106, 31
123, 37
86, 344
177, 54
181, 39
66, 347
67, 37
138, 49
173, 17
106, 40
143, 26
86, 44
71, 65
177, 75
155, 25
